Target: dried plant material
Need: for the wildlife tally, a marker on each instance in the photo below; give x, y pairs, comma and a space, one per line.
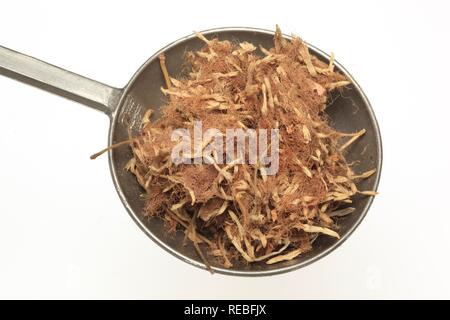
264, 104
364, 175
186, 226
96, 155
162, 62
237, 244
206, 212
341, 212
202, 37
223, 252
269, 92
261, 237
147, 116
352, 139
368, 193
306, 57
315, 229
178, 205
279, 41
331, 64
289, 256
338, 84
326, 219
236, 212
197, 247
306, 134
238, 224
272, 254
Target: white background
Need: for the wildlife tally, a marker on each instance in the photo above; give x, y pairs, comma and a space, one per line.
63, 230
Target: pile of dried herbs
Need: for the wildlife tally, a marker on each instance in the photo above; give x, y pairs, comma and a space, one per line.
234, 210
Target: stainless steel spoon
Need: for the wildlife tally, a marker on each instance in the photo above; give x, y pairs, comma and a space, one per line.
349, 112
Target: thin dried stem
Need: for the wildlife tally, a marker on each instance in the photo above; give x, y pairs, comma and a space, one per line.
113, 146
162, 63
352, 139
